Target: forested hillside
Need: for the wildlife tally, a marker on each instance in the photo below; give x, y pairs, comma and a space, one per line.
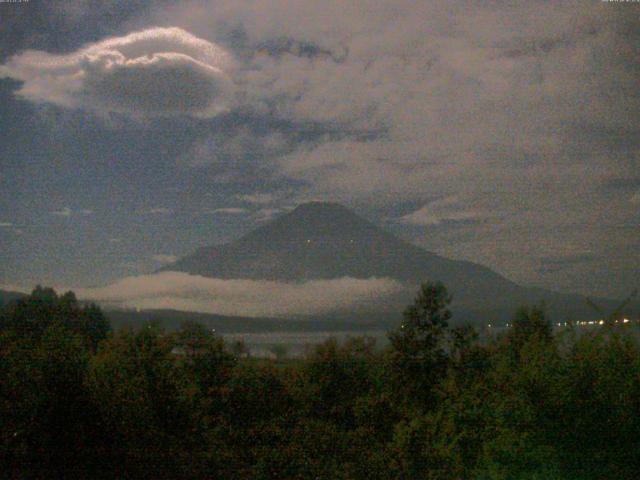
80, 401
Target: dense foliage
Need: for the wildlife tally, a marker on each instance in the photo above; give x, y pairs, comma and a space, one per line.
80, 401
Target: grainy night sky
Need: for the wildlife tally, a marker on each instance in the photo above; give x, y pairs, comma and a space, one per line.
506, 135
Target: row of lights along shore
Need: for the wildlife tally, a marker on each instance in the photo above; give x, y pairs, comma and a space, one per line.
579, 323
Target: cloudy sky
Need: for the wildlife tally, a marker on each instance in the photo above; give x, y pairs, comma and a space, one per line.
506, 133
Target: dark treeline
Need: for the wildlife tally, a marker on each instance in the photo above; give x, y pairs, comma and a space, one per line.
80, 401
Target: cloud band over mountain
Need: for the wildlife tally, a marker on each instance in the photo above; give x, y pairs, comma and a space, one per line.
250, 298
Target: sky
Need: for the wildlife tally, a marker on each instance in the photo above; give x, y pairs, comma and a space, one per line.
505, 133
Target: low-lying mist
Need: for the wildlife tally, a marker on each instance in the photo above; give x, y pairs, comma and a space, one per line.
249, 298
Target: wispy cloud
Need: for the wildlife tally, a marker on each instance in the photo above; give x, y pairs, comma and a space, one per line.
266, 214
240, 144
228, 211
67, 212
156, 211
8, 287
164, 258
449, 209
6, 224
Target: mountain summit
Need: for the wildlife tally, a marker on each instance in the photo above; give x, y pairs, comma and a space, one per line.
321, 240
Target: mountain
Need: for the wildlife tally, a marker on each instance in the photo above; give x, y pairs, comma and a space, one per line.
320, 240
7, 296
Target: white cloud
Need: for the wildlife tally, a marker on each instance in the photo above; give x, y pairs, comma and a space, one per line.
253, 298
350, 168
154, 72
453, 95
156, 211
442, 210
65, 212
267, 214
8, 287
223, 148
164, 258
228, 211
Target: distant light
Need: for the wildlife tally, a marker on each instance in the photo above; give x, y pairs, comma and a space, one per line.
308, 241
489, 325
625, 320
601, 322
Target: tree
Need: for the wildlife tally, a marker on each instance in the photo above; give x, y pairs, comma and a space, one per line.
337, 376
528, 324
48, 423
147, 428
279, 350
240, 349
33, 315
93, 325
430, 310
205, 358
418, 357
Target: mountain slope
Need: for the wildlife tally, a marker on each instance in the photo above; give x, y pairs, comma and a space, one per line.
320, 240
7, 296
